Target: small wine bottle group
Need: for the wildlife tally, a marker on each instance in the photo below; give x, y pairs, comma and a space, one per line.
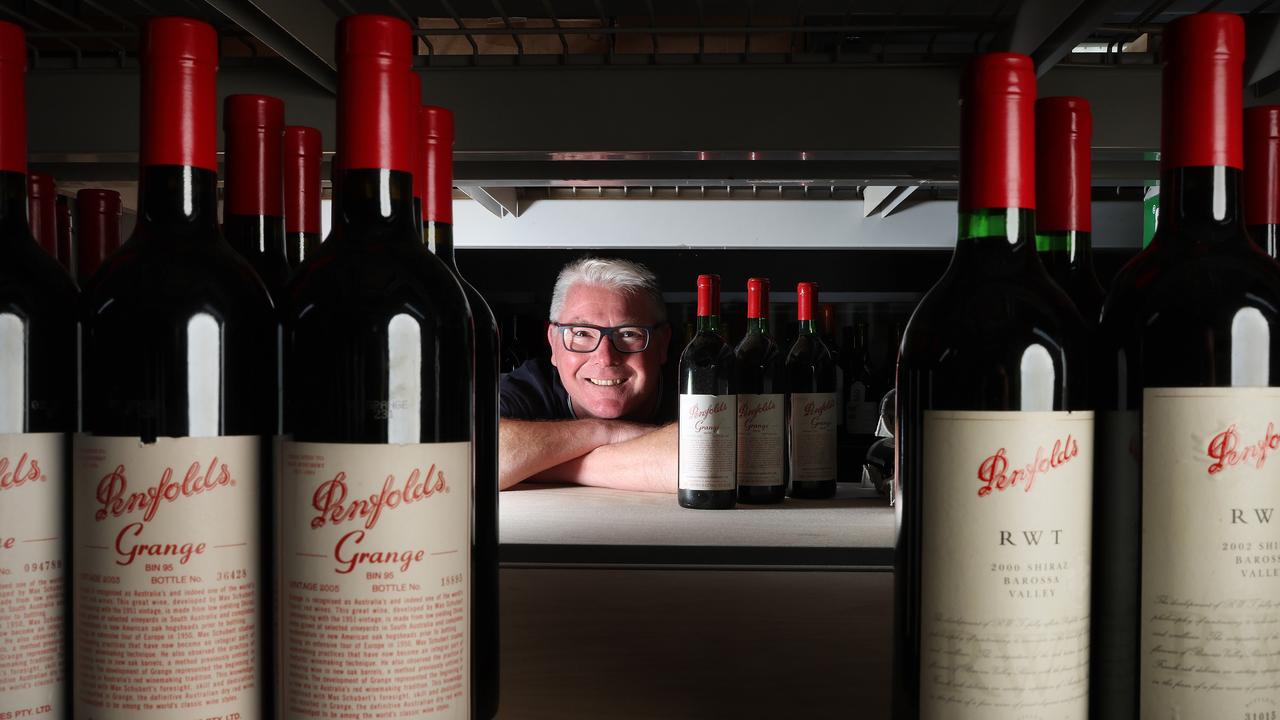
755, 424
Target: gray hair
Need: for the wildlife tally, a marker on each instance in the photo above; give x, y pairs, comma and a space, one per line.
623, 276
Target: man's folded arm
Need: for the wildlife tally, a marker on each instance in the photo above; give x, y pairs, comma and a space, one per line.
647, 463
528, 447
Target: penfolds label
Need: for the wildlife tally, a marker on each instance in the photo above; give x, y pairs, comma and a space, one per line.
761, 434
33, 536
813, 436
1005, 565
374, 580
168, 575
708, 442
996, 473
1210, 608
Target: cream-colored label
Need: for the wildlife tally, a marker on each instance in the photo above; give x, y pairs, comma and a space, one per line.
33, 536
708, 442
168, 578
375, 580
1004, 594
761, 434
1210, 644
813, 436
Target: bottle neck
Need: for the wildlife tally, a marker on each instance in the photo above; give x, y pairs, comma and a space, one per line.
709, 323
13, 208
1200, 205
255, 234
808, 327
439, 239
376, 205
179, 196
1069, 249
1266, 237
758, 326
995, 240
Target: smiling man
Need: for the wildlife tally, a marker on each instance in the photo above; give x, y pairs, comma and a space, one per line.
594, 413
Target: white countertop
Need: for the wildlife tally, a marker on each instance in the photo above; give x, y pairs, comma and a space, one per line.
583, 523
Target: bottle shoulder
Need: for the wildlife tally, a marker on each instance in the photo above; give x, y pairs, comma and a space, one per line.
348, 280
32, 282
1197, 287
706, 349
155, 275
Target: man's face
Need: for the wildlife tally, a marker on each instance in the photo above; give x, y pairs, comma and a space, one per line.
607, 383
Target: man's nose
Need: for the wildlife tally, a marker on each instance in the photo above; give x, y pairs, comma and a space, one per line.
606, 353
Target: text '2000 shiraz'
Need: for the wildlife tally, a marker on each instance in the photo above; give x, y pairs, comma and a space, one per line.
995, 448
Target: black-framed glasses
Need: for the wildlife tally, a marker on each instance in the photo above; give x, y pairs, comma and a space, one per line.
582, 338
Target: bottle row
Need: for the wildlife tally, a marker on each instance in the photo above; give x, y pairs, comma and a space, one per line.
160, 558
1085, 492
756, 424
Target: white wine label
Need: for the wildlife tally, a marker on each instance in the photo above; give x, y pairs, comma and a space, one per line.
33, 537
374, 580
761, 434
168, 578
1005, 552
813, 436
1210, 638
708, 442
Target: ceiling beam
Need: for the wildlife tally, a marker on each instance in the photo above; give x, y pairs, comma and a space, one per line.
1033, 24
301, 33
1071, 32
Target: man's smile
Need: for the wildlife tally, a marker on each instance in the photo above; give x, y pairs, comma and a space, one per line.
606, 383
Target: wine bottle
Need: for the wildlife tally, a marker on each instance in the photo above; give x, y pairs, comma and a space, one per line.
301, 193
1064, 217
435, 125
171, 479
1189, 341
861, 409
994, 481
253, 215
827, 333
416, 149
37, 417
762, 405
813, 406
1262, 176
97, 229
707, 477
41, 207
378, 353
63, 229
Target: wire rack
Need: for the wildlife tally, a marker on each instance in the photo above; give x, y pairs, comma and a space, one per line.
479, 33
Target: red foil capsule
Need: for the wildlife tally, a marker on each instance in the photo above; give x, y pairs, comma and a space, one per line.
374, 112
997, 133
254, 127
1262, 165
806, 298
13, 88
1203, 92
42, 211
97, 228
757, 297
436, 125
708, 295
302, 157
1064, 132
179, 93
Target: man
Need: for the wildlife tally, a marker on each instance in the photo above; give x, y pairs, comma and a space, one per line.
592, 414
